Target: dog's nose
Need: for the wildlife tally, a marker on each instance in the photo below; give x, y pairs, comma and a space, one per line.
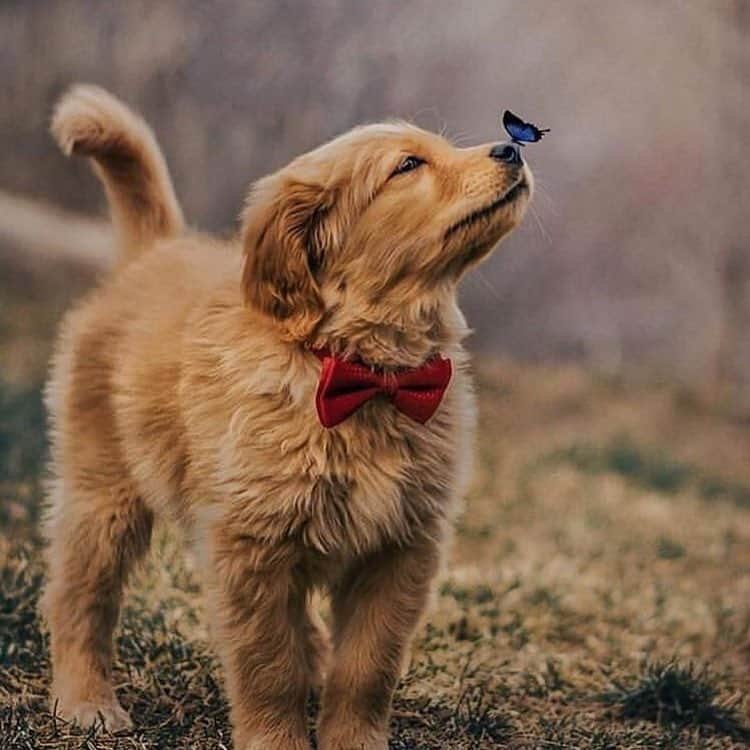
508, 153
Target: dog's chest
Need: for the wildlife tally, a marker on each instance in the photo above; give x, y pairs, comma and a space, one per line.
374, 488
377, 478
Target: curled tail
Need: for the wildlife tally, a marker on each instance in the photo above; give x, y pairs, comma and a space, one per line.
91, 122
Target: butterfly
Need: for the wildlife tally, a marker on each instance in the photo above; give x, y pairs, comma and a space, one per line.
522, 132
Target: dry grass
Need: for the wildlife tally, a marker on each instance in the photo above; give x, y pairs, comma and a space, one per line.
598, 595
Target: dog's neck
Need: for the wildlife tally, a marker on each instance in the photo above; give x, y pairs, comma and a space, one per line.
402, 334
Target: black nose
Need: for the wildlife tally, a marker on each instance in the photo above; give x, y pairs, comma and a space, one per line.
509, 153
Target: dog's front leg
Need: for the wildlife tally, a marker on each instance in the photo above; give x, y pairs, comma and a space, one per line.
376, 609
258, 604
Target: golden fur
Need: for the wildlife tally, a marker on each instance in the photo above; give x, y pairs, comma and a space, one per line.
184, 385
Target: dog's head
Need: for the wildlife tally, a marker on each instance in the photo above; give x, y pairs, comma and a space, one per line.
381, 214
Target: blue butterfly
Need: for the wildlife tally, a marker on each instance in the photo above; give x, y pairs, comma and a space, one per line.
522, 132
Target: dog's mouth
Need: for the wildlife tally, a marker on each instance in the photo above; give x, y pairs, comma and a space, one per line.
483, 213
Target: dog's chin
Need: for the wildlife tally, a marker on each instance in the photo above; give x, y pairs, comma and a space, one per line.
496, 211
510, 207
484, 228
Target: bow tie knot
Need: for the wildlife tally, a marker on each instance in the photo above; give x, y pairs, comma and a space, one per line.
390, 384
346, 385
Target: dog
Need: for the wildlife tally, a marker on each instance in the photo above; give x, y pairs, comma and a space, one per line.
190, 383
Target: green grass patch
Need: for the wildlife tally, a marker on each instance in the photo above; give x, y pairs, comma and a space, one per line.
650, 468
23, 452
22, 433
669, 549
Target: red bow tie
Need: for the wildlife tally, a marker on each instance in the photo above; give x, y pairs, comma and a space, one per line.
345, 385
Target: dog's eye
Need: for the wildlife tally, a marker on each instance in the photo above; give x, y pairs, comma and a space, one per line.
407, 164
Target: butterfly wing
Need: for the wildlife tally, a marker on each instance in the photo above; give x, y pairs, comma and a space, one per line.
513, 124
523, 132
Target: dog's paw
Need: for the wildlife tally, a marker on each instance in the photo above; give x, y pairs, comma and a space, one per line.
351, 735
108, 715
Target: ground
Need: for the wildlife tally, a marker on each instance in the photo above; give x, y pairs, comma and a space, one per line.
597, 596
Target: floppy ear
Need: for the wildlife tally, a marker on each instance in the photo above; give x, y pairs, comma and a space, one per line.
281, 237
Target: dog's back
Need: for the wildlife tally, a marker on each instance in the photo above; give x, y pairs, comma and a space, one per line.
117, 358
120, 342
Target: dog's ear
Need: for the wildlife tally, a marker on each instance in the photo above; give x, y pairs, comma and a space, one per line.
283, 249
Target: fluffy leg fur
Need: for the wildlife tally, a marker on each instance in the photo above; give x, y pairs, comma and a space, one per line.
93, 547
266, 639
91, 122
97, 527
376, 610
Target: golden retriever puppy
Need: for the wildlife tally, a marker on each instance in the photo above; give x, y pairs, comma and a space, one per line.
203, 380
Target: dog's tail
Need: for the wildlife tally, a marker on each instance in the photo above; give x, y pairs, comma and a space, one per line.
126, 157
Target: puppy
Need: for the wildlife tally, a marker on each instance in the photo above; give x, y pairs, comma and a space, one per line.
213, 382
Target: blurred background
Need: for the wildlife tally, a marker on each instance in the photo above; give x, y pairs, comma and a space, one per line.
636, 258
598, 591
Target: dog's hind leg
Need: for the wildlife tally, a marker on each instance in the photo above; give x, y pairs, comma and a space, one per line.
94, 542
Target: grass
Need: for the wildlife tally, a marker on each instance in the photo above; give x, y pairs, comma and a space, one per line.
678, 696
597, 596
22, 453
652, 469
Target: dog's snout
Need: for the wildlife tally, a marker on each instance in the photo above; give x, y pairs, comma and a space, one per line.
508, 153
